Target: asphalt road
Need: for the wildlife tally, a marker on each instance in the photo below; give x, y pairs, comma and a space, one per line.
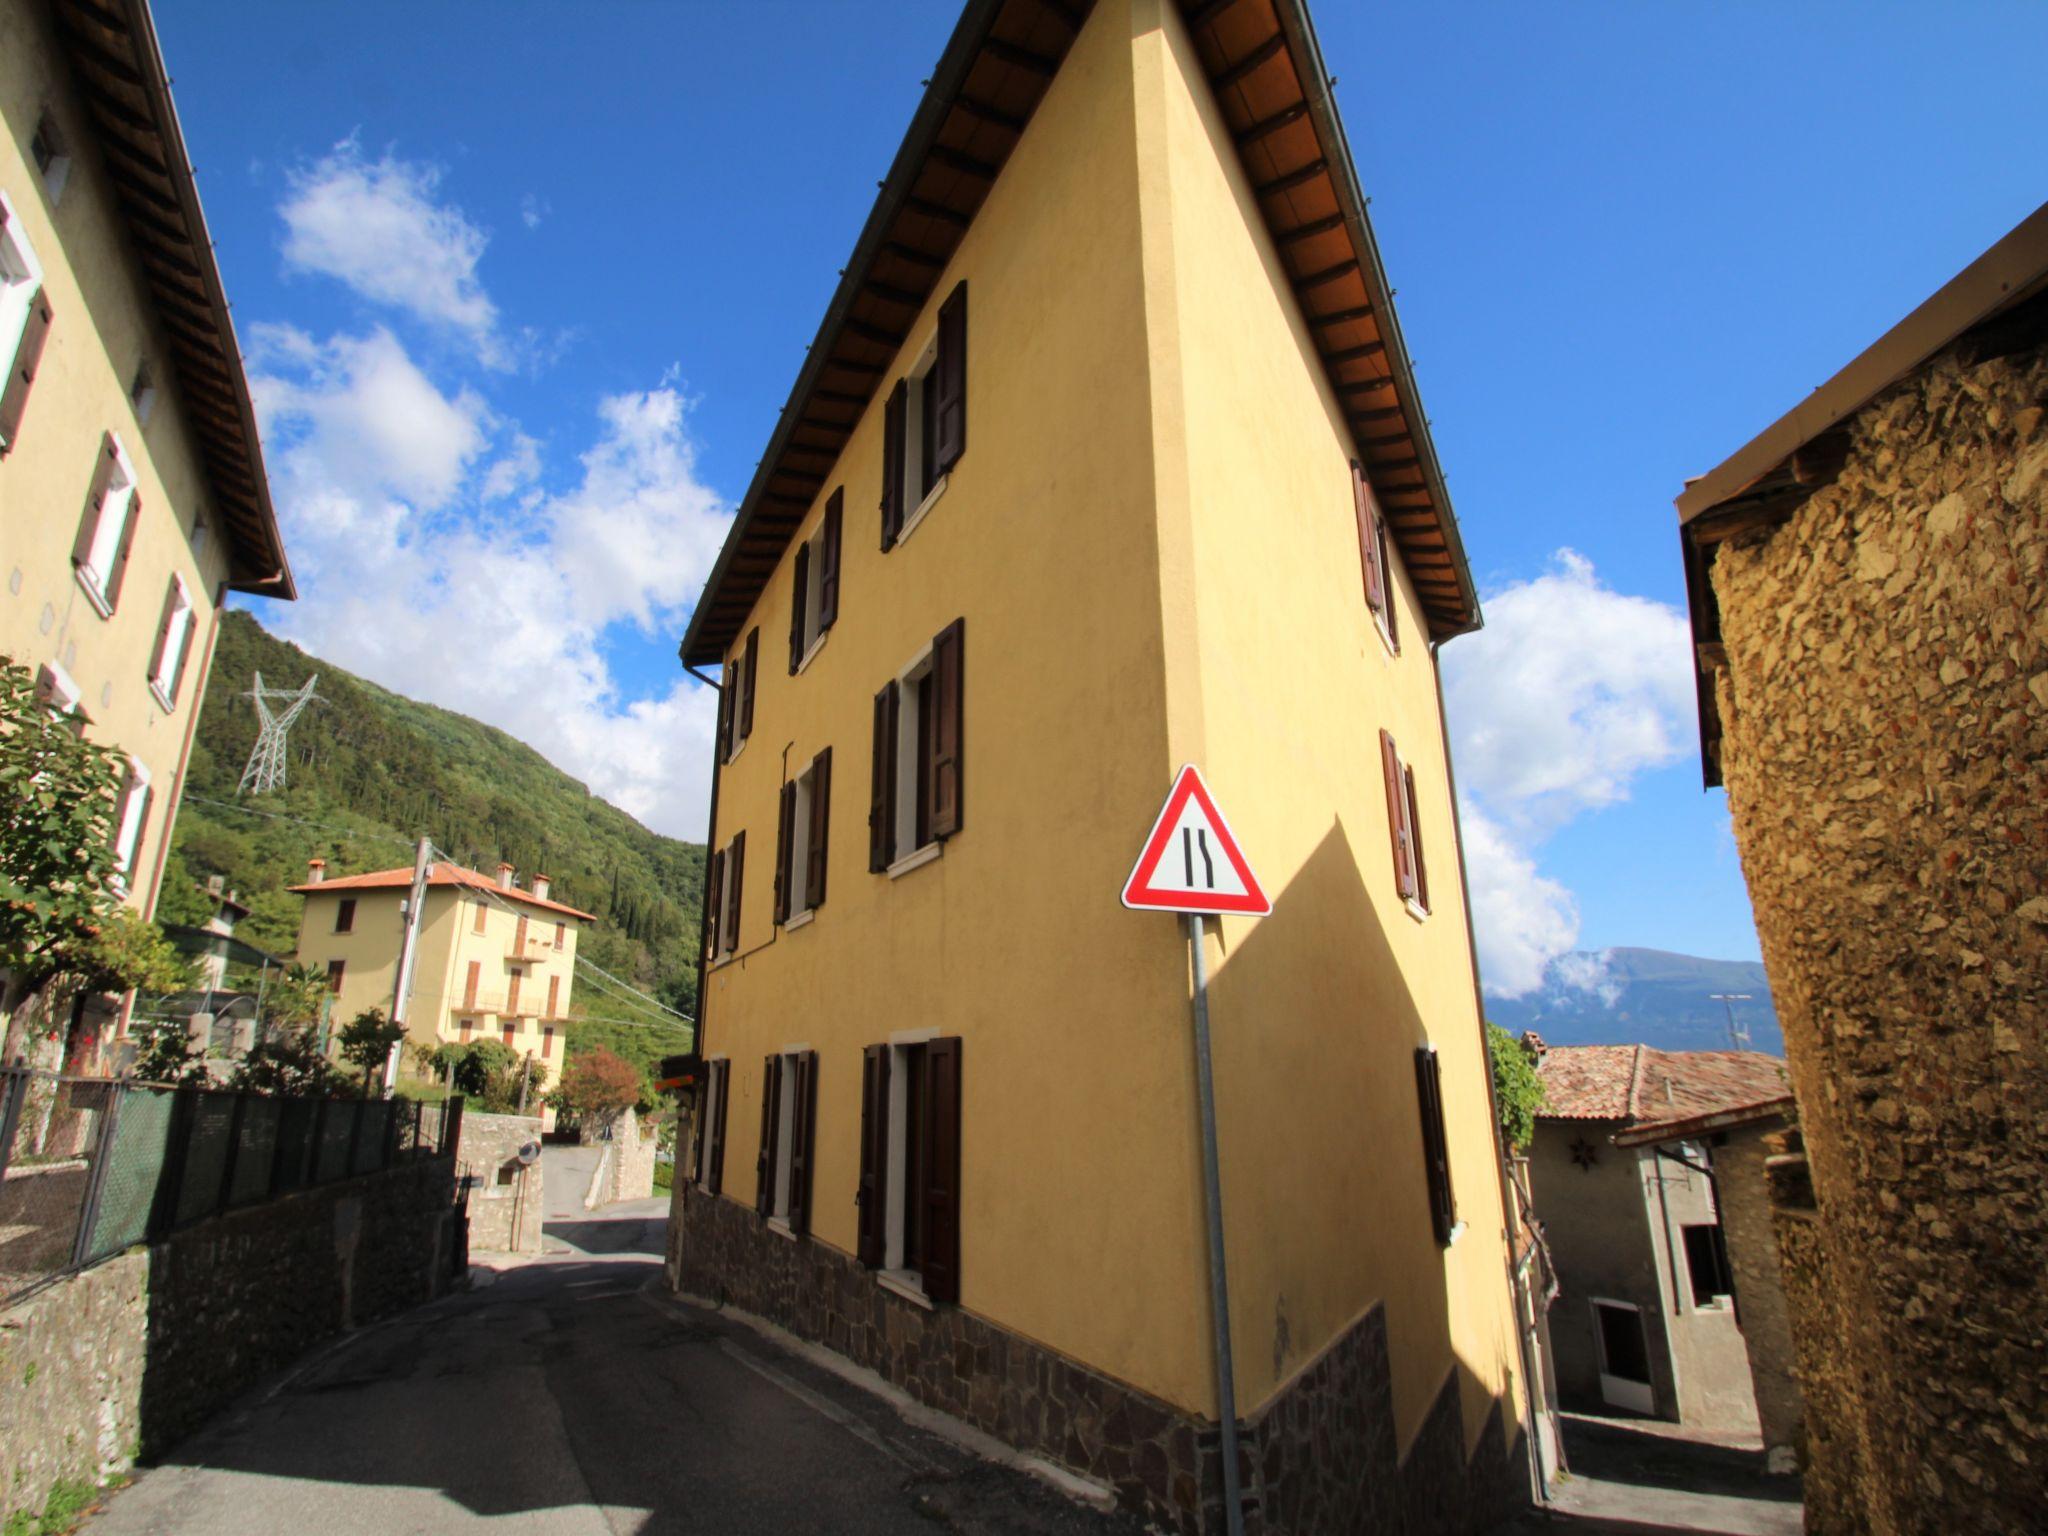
573, 1395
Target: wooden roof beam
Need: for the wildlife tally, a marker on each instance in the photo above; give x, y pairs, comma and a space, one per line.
939, 211
974, 106
890, 293
1292, 179
981, 170
1251, 62
1266, 127
1310, 230
1038, 64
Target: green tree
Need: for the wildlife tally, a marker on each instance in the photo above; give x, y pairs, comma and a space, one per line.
286, 1059
295, 997
366, 1042
1517, 1090
58, 883
486, 1071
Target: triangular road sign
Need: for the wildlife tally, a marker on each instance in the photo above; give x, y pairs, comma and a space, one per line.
1191, 862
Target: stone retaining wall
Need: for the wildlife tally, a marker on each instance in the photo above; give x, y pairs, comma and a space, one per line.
124, 1360
503, 1195
1885, 714
1318, 1457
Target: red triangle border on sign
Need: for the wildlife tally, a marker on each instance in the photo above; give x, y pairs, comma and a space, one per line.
1139, 894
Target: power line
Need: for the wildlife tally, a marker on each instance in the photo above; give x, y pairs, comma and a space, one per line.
300, 821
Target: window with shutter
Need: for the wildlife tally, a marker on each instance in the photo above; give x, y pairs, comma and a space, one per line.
735, 870
554, 998
106, 528
714, 892
1436, 1155
800, 609
345, 915
130, 816
801, 841
803, 1121
814, 600
483, 913
722, 894
828, 561
1399, 826
1374, 554
818, 818
785, 849
24, 321
882, 794
728, 694
910, 1165
718, 1080
336, 970
924, 426
919, 757
469, 983
943, 779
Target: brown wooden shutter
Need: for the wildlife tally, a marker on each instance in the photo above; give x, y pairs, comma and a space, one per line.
1397, 818
1366, 510
1415, 838
749, 666
714, 889
821, 825
944, 779
732, 908
697, 1158
785, 847
872, 1249
941, 1193
828, 558
727, 697
163, 638
554, 997
1391, 613
894, 414
771, 1118
882, 796
120, 572
802, 1135
1436, 1156
27, 356
950, 376
796, 606
476, 971
717, 1172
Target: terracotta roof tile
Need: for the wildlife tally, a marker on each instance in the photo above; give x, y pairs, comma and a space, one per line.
1646, 1086
439, 874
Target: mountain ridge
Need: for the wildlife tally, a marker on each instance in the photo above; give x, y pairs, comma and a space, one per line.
1626, 994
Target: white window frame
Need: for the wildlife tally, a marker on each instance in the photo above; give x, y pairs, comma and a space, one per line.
164, 678
1620, 1391
908, 854
128, 828
57, 174
21, 280
785, 1139
110, 527
908, 1282
918, 378
59, 694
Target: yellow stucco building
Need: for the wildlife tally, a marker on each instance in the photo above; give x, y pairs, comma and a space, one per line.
1162, 493
132, 491
496, 960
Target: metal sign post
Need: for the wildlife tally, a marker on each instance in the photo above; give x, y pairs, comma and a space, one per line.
408, 955
1212, 1188
1191, 864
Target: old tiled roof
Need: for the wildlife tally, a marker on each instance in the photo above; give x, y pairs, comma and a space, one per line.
1643, 1086
439, 874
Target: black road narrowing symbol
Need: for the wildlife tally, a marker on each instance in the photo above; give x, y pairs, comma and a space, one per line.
1192, 840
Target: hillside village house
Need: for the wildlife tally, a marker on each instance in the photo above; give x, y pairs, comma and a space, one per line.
497, 961
1647, 1171
132, 492
1107, 458
1866, 579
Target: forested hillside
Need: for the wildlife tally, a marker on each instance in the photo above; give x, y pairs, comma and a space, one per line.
371, 771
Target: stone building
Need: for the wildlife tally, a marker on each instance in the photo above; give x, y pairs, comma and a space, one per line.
1867, 590
1646, 1169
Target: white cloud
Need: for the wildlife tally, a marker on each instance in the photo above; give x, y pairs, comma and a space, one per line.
1570, 692
532, 209
517, 468
380, 227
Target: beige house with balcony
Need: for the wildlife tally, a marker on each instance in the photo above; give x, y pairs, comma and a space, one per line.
496, 960
132, 491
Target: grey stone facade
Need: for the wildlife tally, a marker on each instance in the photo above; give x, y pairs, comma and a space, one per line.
503, 1195
125, 1359
1319, 1457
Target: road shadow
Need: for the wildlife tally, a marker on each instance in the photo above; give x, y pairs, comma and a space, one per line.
1615, 1451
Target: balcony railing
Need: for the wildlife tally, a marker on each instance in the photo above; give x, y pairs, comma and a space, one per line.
531, 950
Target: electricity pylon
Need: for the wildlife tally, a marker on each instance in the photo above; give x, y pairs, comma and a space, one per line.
265, 770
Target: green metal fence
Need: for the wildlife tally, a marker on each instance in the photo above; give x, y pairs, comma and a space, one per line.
92, 1166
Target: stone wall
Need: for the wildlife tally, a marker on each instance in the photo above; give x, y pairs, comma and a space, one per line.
627, 1172
503, 1195
124, 1360
1760, 1291
1885, 714
1320, 1456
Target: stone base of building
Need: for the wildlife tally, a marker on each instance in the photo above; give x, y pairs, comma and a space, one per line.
1319, 1457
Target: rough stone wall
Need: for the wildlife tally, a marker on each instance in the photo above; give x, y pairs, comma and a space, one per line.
627, 1172
1760, 1290
1885, 748
1319, 1457
501, 1193
125, 1359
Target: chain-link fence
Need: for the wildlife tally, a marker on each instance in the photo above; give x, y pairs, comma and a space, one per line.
90, 1166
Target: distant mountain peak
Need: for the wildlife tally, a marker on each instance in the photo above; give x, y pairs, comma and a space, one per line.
1624, 995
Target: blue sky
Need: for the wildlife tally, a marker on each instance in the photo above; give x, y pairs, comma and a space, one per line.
509, 273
